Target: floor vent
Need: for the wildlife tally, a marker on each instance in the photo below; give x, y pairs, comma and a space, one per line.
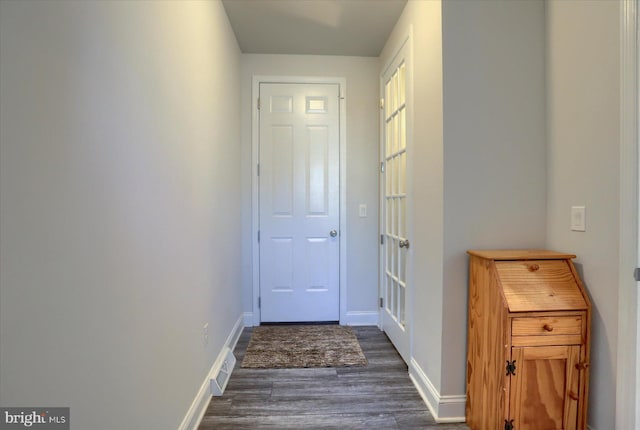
219, 383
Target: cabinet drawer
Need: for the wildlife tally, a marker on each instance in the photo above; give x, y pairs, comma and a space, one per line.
531, 331
546, 326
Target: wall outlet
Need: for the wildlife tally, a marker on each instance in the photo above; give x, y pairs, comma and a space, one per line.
578, 218
205, 334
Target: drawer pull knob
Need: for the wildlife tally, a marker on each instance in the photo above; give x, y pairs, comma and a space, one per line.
573, 395
533, 267
548, 327
582, 366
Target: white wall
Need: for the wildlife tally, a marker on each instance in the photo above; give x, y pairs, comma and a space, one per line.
120, 204
531, 127
423, 19
362, 142
494, 148
479, 162
583, 169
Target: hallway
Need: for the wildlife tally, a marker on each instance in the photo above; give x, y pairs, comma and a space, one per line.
128, 221
379, 396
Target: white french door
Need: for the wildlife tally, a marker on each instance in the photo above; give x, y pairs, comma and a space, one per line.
299, 202
396, 254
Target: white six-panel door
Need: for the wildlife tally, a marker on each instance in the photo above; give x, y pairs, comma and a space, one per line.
299, 198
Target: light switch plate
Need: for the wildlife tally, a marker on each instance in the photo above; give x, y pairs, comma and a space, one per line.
363, 211
578, 218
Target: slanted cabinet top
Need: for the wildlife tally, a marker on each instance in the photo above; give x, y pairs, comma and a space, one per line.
536, 280
520, 254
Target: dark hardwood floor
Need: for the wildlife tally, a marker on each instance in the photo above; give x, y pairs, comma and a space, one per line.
378, 396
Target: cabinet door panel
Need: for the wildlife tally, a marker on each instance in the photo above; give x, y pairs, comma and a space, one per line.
545, 387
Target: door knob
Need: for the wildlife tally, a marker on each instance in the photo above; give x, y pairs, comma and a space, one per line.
333, 233
404, 243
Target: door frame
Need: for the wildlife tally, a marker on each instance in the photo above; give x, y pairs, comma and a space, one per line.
255, 183
628, 369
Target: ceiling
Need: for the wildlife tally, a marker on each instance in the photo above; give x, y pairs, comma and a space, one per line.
313, 27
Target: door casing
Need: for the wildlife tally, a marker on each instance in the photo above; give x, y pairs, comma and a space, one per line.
255, 157
628, 363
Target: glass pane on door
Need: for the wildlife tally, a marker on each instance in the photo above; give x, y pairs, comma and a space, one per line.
395, 196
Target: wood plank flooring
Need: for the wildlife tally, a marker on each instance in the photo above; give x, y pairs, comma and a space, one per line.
378, 396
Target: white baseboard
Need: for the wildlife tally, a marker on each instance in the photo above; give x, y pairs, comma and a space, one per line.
444, 409
248, 319
360, 318
199, 405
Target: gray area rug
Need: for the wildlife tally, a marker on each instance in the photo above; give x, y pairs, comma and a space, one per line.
298, 346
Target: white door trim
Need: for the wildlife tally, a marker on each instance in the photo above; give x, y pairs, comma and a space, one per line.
628, 371
255, 215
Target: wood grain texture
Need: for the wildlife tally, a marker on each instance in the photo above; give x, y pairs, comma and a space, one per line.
487, 349
379, 396
545, 387
534, 314
520, 254
546, 326
563, 339
539, 285
585, 354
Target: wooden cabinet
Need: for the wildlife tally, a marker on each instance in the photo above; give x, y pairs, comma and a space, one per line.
528, 342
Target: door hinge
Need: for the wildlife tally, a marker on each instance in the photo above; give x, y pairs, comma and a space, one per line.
382, 167
381, 302
381, 103
258, 169
508, 425
259, 302
511, 367
258, 103
258, 236
636, 274
382, 239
